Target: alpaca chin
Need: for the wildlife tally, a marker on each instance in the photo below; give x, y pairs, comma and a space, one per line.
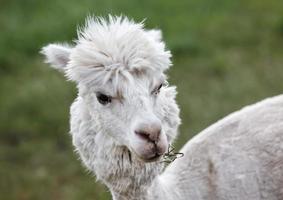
126, 174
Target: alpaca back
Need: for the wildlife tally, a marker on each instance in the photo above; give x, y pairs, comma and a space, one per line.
240, 157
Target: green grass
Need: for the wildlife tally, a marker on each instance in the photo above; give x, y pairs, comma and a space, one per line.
227, 54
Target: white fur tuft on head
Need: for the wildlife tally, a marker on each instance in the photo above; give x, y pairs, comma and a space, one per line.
109, 48
116, 46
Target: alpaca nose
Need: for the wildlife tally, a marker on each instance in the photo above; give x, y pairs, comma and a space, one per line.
149, 132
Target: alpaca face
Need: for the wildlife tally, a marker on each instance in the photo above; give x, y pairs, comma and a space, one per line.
119, 69
136, 115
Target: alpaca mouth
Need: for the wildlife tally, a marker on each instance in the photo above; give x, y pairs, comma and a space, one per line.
153, 158
149, 152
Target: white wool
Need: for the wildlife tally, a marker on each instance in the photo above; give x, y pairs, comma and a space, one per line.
117, 46
238, 158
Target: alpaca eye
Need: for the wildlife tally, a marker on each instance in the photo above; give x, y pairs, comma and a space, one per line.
157, 90
159, 87
103, 99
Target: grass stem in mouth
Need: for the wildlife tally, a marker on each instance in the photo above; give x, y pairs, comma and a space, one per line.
170, 155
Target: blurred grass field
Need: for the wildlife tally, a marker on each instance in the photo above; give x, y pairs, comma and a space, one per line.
226, 54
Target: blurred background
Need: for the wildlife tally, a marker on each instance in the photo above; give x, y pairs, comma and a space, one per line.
226, 54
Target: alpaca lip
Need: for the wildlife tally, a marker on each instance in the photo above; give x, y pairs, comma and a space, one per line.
150, 159
149, 151
153, 158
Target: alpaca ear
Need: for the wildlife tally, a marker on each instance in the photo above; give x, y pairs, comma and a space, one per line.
58, 55
156, 34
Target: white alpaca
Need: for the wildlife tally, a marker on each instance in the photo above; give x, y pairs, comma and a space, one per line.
125, 116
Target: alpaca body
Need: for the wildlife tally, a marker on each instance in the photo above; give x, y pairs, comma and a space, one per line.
125, 117
238, 158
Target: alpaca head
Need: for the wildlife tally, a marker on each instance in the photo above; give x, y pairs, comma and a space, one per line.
119, 67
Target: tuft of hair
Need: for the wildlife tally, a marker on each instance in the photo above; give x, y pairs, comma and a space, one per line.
117, 46
110, 49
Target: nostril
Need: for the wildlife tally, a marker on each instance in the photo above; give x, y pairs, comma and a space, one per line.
149, 136
143, 135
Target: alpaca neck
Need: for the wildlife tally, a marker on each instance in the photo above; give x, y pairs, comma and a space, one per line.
125, 175
155, 190
140, 194
132, 187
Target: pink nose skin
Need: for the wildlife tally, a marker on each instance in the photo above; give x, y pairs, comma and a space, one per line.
150, 134
153, 141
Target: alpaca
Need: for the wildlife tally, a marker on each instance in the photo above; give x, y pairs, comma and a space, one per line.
125, 117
